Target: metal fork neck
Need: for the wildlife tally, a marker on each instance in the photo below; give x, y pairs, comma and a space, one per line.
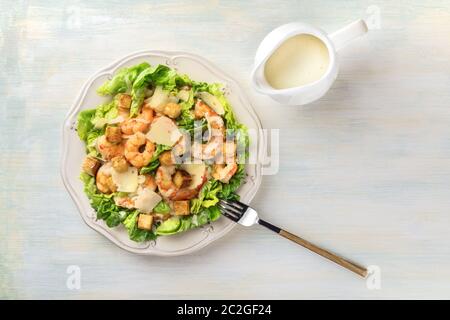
269, 225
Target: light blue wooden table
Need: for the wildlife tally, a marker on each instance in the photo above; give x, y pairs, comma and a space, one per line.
365, 171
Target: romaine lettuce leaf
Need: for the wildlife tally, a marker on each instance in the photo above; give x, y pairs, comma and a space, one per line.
134, 232
177, 81
123, 80
87, 129
207, 196
84, 125
186, 119
104, 113
158, 75
194, 221
137, 99
152, 166
103, 204
162, 207
91, 142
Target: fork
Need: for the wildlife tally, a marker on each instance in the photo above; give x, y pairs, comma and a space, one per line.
247, 216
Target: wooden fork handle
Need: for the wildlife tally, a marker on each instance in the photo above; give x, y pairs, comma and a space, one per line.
324, 253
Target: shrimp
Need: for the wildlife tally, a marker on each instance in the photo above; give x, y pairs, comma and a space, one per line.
224, 172
208, 150
109, 150
163, 179
216, 127
215, 122
168, 188
146, 114
182, 145
134, 153
202, 110
216, 130
133, 125
221, 152
104, 180
139, 124
229, 152
125, 202
149, 182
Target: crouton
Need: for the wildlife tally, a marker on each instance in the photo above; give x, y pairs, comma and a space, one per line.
124, 101
113, 134
145, 222
172, 110
182, 179
91, 165
166, 158
119, 164
181, 208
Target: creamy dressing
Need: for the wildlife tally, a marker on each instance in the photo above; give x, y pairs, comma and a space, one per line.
300, 60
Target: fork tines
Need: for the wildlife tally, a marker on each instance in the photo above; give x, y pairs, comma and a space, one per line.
236, 204
232, 209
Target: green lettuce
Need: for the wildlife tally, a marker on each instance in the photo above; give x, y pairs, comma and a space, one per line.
154, 162
87, 132
162, 207
123, 80
91, 125
158, 75
136, 234
177, 81
84, 125
207, 197
103, 204
91, 142
152, 166
197, 220
104, 113
186, 119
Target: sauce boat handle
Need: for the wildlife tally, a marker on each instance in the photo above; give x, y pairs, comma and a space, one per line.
342, 37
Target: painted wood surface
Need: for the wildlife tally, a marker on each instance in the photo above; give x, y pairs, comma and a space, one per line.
365, 171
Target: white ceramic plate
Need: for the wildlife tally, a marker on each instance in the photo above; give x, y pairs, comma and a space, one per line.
74, 151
